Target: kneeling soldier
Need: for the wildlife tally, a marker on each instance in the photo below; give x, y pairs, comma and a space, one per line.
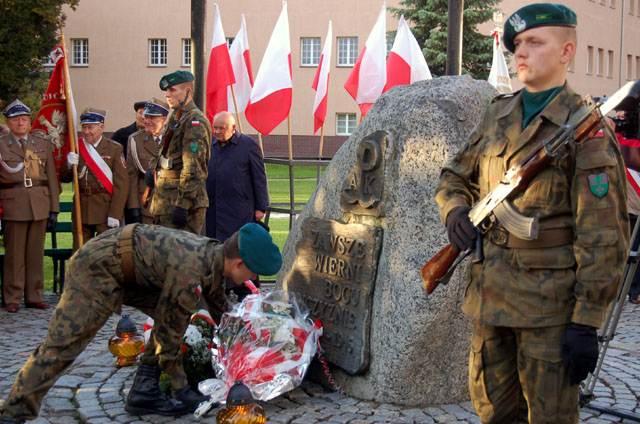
162, 272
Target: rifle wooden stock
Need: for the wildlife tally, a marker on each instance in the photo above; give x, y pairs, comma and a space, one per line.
146, 197
438, 266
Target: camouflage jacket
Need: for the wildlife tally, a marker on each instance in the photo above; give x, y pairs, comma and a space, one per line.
584, 192
183, 182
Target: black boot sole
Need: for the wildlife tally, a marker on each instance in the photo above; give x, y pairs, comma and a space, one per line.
137, 410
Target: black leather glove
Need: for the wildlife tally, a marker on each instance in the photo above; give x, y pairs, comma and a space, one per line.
149, 178
134, 215
52, 220
579, 351
460, 230
179, 218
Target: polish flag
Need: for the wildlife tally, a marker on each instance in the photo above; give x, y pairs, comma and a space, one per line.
321, 82
272, 90
220, 73
406, 63
242, 70
499, 75
369, 75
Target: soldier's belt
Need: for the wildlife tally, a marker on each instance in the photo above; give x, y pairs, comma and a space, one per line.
546, 238
166, 173
124, 249
23, 185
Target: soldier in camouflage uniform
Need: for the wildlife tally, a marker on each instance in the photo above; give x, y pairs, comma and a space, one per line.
162, 272
180, 196
536, 304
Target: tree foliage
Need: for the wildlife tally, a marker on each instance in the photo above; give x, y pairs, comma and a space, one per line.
28, 31
428, 19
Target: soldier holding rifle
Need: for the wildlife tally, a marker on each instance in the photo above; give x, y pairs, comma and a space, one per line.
537, 303
180, 175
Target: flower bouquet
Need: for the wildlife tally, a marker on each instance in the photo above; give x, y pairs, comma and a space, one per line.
267, 342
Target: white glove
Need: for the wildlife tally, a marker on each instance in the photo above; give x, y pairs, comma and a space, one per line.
72, 159
112, 222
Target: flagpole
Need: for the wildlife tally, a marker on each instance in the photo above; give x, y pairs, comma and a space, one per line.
72, 139
235, 105
320, 151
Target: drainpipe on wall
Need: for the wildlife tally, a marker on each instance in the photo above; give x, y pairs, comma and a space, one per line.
622, 2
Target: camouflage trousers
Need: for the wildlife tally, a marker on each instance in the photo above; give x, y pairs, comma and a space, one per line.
195, 221
516, 375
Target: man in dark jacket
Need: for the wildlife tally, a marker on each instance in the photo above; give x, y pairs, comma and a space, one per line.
122, 135
237, 183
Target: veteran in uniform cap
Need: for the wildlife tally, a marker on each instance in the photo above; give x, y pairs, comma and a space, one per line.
536, 304
121, 135
29, 195
179, 176
102, 176
162, 272
144, 150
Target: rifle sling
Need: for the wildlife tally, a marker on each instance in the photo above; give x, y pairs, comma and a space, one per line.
125, 250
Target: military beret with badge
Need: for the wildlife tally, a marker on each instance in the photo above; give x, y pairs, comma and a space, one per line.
257, 250
175, 78
16, 108
537, 15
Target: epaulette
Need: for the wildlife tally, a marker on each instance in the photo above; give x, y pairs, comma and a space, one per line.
504, 96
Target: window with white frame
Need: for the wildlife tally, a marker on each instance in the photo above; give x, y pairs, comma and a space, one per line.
309, 51
346, 123
186, 52
80, 52
610, 64
157, 52
347, 51
589, 60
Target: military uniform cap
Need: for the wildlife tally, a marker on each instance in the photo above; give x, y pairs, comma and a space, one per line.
537, 15
16, 108
156, 107
139, 105
174, 78
93, 116
257, 250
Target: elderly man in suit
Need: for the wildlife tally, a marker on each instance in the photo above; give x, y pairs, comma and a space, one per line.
102, 174
29, 195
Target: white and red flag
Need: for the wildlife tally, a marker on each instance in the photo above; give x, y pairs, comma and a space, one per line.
272, 91
54, 108
321, 82
406, 63
499, 75
220, 73
242, 70
369, 75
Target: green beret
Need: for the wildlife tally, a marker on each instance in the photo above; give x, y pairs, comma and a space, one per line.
536, 15
257, 250
177, 77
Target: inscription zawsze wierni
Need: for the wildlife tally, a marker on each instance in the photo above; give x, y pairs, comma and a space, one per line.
334, 274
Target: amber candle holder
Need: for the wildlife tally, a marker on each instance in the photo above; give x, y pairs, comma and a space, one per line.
241, 408
127, 343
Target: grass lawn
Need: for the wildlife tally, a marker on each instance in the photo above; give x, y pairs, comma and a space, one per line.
278, 180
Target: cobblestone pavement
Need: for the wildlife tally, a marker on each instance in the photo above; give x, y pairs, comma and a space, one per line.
93, 390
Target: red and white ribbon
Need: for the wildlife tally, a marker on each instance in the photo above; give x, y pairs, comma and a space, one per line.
96, 165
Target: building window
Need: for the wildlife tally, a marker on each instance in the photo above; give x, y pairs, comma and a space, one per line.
637, 67
345, 123
600, 70
80, 52
632, 7
589, 60
610, 65
186, 52
158, 52
310, 51
612, 4
347, 51
638, 8
629, 67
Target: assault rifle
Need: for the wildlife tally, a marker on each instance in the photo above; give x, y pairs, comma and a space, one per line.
495, 207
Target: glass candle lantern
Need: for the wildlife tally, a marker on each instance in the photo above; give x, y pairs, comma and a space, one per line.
241, 408
127, 343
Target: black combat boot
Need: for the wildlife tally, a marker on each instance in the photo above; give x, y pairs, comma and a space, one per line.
190, 398
145, 396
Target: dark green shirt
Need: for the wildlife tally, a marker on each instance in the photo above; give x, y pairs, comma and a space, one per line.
534, 103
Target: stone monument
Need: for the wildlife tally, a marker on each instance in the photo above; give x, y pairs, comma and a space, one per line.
355, 252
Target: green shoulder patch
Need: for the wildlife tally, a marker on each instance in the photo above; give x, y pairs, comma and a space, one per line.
599, 184
194, 146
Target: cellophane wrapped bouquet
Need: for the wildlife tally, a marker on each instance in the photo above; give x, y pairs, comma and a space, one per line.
267, 342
